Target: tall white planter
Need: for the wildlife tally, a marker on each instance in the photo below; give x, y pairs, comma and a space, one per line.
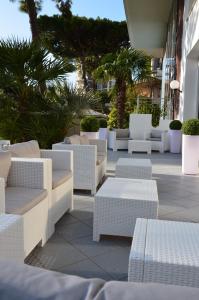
175, 139
103, 133
90, 135
190, 154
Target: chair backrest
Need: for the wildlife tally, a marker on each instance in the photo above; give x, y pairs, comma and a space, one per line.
140, 126
163, 124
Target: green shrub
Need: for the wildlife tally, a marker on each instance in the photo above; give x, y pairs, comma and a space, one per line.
149, 108
191, 127
102, 123
89, 124
175, 125
112, 119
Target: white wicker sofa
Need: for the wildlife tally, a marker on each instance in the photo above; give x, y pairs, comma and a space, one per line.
60, 177
90, 160
25, 194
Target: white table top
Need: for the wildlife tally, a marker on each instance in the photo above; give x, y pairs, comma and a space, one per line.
139, 141
125, 188
172, 242
134, 162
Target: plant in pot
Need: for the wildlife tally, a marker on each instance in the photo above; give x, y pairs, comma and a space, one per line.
103, 130
89, 127
175, 136
190, 147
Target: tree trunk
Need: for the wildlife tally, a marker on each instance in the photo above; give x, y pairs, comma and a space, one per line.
83, 73
32, 12
121, 98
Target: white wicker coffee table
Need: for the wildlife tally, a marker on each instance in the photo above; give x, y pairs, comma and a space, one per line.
165, 252
119, 202
139, 146
11, 237
133, 168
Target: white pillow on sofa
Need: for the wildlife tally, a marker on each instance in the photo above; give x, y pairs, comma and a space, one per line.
28, 149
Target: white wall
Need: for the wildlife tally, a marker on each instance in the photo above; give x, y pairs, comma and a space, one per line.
189, 100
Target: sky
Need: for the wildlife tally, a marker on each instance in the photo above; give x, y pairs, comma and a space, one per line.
15, 23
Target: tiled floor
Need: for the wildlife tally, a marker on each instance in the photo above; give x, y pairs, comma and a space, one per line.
71, 249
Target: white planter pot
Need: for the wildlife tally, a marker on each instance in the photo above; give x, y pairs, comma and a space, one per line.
103, 133
190, 154
90, 135
175, 138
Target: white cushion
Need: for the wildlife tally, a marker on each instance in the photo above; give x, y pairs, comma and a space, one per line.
28, 149
122, 133
5, 163
84, 140
155, 133
75, 139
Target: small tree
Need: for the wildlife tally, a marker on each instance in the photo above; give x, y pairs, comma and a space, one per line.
126, 66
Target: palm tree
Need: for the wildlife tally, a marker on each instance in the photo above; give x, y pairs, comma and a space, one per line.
32, 7
127, 66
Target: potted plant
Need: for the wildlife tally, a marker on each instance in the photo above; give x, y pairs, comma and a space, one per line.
89, 127
175, 136
103, 130
190, 146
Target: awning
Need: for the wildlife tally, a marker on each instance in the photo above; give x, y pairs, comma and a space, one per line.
147, 22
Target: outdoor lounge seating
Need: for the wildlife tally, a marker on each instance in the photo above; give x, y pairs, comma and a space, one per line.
25, 282
25, 194
139, 129
59, 177
159, 136
90, 160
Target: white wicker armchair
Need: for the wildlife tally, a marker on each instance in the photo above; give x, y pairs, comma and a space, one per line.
60, 177
89, 163
26, 195
159, 136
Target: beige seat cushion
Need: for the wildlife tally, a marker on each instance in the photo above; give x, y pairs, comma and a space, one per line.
74, 139
19, 200
5, 163
59, 177
122, 133
84, 140
28, 149
100, 159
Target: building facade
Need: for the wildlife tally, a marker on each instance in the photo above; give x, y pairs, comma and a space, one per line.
170, 29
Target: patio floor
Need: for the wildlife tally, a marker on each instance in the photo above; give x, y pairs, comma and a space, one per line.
71, 249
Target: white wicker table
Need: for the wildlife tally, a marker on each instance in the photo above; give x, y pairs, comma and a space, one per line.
134, 168
11, 237
139, 146
119, 202
165, 252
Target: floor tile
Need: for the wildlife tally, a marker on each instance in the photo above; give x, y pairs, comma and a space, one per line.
74, 231
86, 269
55, 254
91, 248
114, 262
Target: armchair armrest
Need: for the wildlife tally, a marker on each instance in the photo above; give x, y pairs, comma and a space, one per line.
101, 145
2, 195
30, 172
61, 159
164, 135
